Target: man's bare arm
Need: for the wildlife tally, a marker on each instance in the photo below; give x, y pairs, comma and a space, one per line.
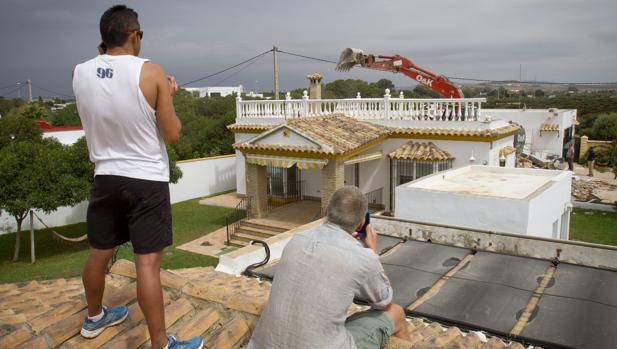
166, 119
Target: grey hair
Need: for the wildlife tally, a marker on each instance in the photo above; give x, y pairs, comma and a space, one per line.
347, 208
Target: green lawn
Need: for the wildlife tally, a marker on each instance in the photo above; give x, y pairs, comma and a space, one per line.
594, 226
57, 259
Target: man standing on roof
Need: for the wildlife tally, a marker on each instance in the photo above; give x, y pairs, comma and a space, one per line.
126, 108
320, 273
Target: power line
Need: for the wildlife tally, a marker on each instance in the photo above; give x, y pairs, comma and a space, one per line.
11, 85
11, 92
236, 73
53, 92
226, 69
472, 79
307, 57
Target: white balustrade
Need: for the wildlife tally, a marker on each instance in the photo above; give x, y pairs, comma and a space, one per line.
436, 109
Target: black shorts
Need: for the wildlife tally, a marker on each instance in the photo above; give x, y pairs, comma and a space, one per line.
125, 209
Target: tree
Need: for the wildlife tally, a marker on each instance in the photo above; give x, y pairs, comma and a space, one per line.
15, 128
539, 93
605, 127
66, 116
38, 175
384, 84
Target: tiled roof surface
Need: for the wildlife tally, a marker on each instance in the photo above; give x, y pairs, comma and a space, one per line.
336, 134
501, 131
199, 301
549, 127
420, 152
250, 127
339, 134
507, 150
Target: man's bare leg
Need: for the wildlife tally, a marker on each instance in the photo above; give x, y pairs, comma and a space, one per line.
93, 278
150, 296
397, 314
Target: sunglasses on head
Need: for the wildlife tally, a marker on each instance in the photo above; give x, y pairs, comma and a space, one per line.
139, 33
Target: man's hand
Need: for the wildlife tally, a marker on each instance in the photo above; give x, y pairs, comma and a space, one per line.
173, 85
370, 241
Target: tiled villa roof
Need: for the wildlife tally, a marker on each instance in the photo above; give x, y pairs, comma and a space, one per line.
549, 127
239, 128
222, 308
336, 134
418, 132
420, 152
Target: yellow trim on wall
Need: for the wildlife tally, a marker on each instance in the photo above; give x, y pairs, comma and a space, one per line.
207, 158
250, 130
453, 138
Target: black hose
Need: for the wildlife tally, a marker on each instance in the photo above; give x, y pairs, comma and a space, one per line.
249, 270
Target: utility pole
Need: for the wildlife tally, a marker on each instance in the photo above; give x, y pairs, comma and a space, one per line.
29, 82
276, 73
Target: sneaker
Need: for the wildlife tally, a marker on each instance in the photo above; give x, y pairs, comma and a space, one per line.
193, 343
111, 317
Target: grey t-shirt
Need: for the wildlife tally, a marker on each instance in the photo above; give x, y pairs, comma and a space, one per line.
319, 274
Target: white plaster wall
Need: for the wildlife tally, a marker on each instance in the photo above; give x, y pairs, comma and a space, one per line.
203, 177
240, 170
62, 216
467, 211
65, 137
496, 147
312, 178
292, 138
200, 177
548, 207
531, 119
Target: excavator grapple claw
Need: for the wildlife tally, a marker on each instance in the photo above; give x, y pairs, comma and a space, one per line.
349, 58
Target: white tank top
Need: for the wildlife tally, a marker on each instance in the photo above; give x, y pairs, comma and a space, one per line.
120, 125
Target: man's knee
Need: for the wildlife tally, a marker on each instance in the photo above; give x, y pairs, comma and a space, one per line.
396, 313
148, 260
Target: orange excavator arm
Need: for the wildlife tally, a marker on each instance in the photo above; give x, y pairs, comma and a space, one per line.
398, 64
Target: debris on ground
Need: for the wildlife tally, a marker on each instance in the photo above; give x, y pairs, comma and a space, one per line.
585, 189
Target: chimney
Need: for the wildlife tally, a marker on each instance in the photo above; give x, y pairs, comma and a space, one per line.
315, 86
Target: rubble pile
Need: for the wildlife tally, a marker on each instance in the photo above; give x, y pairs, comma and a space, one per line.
583, 189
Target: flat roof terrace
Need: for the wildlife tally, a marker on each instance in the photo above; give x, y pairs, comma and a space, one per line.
512, 183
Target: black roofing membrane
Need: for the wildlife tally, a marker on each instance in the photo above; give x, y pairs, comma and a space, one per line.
476, 304
579, 310
487, 293
425, 256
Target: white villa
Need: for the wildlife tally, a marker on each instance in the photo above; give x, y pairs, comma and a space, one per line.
522, 201
309, 147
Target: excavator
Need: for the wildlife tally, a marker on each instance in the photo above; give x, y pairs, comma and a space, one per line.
351, 57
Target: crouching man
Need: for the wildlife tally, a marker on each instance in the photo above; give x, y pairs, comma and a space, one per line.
320, 273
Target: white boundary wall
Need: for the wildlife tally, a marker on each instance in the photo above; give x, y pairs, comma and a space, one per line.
200, 177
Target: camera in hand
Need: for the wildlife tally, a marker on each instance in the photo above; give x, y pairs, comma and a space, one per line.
367, 221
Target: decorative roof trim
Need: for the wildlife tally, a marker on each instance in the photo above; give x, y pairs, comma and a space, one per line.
420, 152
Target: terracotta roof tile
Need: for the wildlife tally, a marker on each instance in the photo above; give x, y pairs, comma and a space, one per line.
415, 131
420, 152
222, 308
549, 127
336, 134
249, 127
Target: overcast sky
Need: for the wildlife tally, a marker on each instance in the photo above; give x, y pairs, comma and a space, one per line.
554, 40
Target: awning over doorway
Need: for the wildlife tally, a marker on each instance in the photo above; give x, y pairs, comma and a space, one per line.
364, 158
285, 162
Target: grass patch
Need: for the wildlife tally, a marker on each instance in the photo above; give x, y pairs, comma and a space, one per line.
57, 259
593, 226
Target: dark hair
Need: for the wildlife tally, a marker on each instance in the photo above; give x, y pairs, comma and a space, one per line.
114, 24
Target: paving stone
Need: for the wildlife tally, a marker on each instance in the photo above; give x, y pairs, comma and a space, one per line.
199, 324
228, 335
15, 338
